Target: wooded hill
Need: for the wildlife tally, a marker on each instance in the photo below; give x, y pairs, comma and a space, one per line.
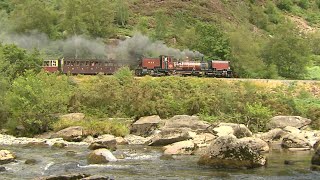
262, 38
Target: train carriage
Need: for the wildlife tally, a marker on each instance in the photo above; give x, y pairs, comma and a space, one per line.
162, 66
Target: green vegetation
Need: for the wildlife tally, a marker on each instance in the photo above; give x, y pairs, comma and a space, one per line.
262, 39
94, 127
248, 33
249, 103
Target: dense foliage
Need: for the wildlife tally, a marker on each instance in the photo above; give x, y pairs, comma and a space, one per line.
262, 39
215, 100
239, 31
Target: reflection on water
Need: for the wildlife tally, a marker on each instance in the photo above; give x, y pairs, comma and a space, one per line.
140, 162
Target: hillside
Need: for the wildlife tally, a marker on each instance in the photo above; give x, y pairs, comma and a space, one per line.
262, 38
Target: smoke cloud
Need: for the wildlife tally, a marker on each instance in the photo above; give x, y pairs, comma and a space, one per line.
129, 50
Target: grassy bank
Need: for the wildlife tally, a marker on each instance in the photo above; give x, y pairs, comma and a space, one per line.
248, 102
34, 102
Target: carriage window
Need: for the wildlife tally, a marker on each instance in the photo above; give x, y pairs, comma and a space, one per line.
87, 63
46, 63
77, 63
72, 63
68, 63
53, 63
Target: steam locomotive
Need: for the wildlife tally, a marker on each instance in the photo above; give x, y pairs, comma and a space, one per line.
162, 66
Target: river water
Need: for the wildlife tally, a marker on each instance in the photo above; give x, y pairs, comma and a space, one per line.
143, 162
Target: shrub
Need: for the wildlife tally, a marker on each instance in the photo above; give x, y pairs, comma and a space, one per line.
34, 99
96, 127
285, 5
257, 116
304, 4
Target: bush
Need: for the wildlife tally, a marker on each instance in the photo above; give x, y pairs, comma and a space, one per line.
34, 99
95, 127
257, 116
304, 4
285, 5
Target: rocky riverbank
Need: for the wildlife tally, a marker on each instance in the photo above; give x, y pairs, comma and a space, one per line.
223, 145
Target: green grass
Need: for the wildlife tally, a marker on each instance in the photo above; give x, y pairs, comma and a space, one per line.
93, 127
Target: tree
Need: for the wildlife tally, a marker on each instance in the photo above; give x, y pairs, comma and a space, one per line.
245, 50
4, 86
211, 42
15, 61
93, 18
35, 98
122, 12
33, 15
289, 52
161, 25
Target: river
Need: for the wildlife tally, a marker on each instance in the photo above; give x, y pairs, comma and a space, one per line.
143, 162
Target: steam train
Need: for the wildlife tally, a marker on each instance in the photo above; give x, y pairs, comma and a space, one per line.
162, 66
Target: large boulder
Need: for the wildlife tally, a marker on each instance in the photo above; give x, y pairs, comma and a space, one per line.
6, 157
121, 141
100, 156
186, 122
229, 152
272, 135
73, 133
238, 130
145, 126
203, 140
72, 117
182, 147
316, 158
256, 144
169, 136
106, 141
294, 141
136, 140
284, 121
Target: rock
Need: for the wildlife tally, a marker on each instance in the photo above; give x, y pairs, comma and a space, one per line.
182, 147
298, 149
238, 130
73, 133
294, 141
169, 136
37, 144
100, 156
105, 141
31, 161
2, 169
72, 117
283, 121
203, 140
136, 140
64, 177
315, 168
256, 144
316, 157
273, 135
71, 153
229, 152
292, 130
6, 157
97, 177
59, 145
166, 157
290, 162
145, 126
223, 131
88, 139
121, 141
186, 122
